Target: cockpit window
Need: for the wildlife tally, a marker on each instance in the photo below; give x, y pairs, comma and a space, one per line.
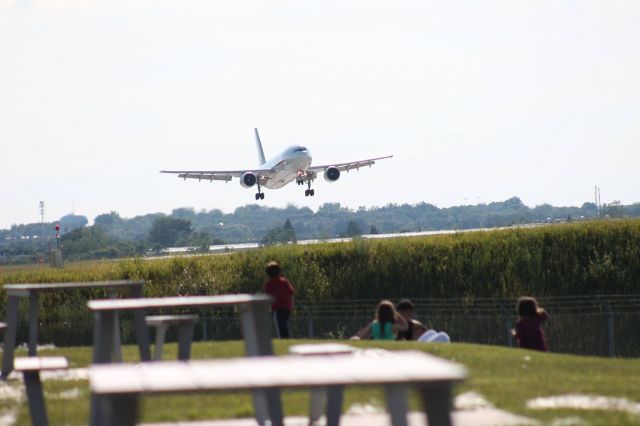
300, 149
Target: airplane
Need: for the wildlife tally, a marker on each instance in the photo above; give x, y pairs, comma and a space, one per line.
294, 163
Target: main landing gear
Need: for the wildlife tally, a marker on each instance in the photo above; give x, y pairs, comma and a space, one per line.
300, 181
260, 194
309, 192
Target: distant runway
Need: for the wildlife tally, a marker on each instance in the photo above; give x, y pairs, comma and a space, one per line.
226, 248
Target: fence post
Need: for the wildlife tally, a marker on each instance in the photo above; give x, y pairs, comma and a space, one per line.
610, 335
310, 326
309, 318
204, 328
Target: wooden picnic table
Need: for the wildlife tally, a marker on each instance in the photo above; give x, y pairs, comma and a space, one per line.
116, 388
256, 330
32, 292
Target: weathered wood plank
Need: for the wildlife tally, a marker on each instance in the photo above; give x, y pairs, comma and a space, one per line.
153, 320
19, 288
321, 349
268, 372
176, 302
40, 363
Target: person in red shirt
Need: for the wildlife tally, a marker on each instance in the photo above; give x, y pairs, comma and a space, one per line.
281, 290
528, 331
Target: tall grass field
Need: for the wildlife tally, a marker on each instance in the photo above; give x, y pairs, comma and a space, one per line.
587, 258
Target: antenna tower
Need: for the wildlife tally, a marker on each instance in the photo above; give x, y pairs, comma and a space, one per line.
41, 204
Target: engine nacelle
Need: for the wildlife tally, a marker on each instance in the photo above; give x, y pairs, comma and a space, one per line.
331, 174
248, 179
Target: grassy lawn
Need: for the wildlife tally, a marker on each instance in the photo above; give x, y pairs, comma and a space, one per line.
506, 377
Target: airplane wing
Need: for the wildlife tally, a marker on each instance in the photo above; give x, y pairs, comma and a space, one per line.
224, 175
345, 167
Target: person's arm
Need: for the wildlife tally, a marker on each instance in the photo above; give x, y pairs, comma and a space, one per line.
418, 329
363, 333
542, 314
400, 324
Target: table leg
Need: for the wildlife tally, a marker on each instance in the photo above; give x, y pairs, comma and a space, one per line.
102, 349
34, 311
102, 336
117, 341
185, 336
436, 399
10, 336
114, 410
334, 404
37, 407
142, 332
161, 330
396, 396
317, 404
256, 329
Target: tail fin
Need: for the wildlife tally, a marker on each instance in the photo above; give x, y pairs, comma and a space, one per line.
259, 146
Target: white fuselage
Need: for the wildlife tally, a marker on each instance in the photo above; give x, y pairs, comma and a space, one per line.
290, 164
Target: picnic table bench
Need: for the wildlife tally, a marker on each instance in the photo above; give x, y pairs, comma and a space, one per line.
186, 325
324, 400
116, 388
31, 367
254, 316
32, 292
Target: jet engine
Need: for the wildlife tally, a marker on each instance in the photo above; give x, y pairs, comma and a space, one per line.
331, 174
248, 179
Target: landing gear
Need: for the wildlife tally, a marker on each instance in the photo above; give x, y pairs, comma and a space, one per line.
309, 192
260, 194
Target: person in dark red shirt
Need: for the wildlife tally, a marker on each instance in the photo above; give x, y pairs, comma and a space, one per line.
528, 332
281, 290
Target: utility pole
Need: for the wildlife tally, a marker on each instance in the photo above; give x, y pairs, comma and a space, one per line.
599, 201
42, 218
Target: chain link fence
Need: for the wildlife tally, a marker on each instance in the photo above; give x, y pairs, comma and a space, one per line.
604, 325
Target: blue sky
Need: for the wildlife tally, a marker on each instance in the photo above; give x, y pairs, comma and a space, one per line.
478, 101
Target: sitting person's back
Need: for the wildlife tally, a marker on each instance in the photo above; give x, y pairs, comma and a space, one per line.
386, 325
528, 332
382, 331
415, 329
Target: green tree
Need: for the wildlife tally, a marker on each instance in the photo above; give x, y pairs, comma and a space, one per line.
283, 235
615, 209
167, 231
108, 219
353, 229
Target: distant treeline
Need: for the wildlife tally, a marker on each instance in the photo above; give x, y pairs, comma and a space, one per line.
591, 258
113, 236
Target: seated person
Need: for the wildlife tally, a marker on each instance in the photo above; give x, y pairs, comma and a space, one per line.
415, 329
386, 324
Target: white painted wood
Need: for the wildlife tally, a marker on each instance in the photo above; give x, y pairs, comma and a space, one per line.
40, 363
176, 302
268, 372
321, 349
20, 289
155, 320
